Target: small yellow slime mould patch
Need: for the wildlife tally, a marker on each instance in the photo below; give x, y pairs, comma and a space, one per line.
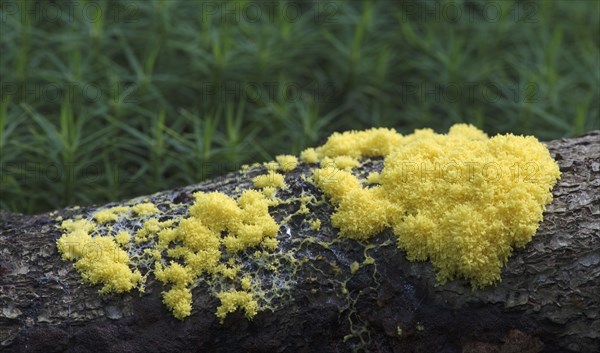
309, 155
110, 214
315, 224
123, 238
336, 183
247, 223
287, 162
99, 260
270, 179
340, 162
144, 209
373, 178
374, 142
179, 300
231, 301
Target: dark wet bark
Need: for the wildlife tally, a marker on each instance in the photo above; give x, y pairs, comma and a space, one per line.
548, 300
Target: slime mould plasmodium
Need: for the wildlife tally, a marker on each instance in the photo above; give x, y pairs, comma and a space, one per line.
461, 200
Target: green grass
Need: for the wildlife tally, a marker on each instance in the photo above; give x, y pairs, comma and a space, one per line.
108, 99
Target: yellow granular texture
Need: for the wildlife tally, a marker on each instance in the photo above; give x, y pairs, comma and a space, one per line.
248, 224
363, 213
374, 142
179, 300
309, 155
270, 179
123, 238
461, 200
80, 225
145, 209
269, 191
229, 272
272, 166
110, 214
246, 283
216, 227
166, 236
196, 236
215, 209
231, 301
335, 183
270, 243
150, 228
315, 224
98, 259
287, 162
340, 162
174, 273
373, 178
254, 225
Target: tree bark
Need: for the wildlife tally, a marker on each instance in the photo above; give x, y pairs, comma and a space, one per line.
548, 299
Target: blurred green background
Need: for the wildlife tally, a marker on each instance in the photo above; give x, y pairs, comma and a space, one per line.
106, 100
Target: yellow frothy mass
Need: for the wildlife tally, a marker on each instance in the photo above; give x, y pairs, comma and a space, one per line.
194, 245
270, 179
98, 259
110, 214
461, 200
287, 162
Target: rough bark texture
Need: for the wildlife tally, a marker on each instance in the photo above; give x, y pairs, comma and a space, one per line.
548, 299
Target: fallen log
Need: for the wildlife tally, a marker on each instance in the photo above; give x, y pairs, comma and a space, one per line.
548, 299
